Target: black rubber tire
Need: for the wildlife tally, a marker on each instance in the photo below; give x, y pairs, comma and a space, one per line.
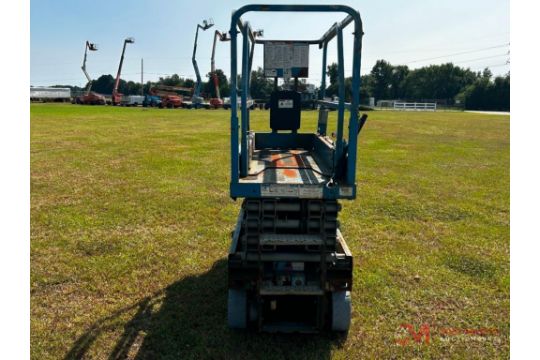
237, 309
341, 311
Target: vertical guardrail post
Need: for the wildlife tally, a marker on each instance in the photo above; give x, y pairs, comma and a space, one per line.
341, 93
322, 90
245, 112
234, 114
355, 101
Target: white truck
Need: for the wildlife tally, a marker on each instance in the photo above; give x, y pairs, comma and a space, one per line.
227, 103
132, 100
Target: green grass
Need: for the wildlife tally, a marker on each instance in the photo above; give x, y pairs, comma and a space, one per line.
131, 222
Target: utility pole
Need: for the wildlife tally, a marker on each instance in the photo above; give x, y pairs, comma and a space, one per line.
142, 77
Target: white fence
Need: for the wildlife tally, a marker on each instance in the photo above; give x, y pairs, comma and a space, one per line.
415, 106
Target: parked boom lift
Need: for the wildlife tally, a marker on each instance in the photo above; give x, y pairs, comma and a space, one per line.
196, 99
90, 97
289, 267
116, 96
216, 102
170, 97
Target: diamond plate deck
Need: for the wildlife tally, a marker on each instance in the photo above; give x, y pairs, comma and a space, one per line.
284, 167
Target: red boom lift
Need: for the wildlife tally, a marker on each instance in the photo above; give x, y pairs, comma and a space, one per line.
216, 102
169, 95
90, 97
116, 96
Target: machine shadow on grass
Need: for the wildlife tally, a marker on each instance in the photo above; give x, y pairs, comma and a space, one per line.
188, 319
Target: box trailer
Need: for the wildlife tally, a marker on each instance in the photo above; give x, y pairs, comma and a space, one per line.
50, 94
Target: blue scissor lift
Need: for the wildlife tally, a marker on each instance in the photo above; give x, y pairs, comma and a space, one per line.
289, 267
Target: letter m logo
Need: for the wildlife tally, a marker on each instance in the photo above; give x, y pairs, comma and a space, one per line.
422, 335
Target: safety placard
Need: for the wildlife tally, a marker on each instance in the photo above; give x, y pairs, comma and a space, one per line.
346, 191
310, 192
285, 104
279, 190
286, 59
296, 191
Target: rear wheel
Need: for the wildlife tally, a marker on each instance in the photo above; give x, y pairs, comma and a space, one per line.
237, 309
341, 311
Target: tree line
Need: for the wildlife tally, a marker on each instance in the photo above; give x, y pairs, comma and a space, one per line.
105, 84
446, 83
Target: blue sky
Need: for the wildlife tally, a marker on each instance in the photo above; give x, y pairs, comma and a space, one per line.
469, 33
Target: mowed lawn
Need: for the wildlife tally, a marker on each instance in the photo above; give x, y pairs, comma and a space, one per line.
131, 221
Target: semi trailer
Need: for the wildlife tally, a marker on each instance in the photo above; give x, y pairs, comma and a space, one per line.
52, 94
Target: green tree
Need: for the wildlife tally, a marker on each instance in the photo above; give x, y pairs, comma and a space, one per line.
438, 82
209, 88
103, 84
396, 88
261, 87
382, 76
175, 80
332, 73
487, 94
365, 88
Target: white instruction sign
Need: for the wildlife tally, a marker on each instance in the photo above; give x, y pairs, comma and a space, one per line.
285, 104
295, 191
286, 59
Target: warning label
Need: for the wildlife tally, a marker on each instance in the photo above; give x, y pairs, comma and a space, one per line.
297, 191
286, 59
285, 104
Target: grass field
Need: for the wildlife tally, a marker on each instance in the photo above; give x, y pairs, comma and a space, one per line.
131, 222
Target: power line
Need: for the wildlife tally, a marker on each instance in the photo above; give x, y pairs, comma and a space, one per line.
482, 58
347, 71
469, 40
458, 53
491, 66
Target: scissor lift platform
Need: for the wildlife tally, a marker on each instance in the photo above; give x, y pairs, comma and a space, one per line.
289, 267
294, 166
272, 273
